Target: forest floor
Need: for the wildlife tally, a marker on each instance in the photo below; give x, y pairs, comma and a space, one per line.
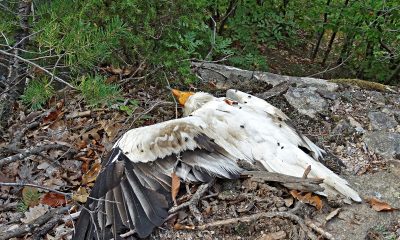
77, 137
296, 61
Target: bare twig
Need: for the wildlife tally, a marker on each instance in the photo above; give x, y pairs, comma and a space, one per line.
146, 112
319, 230
194, 200
169, 87
21, 184
26, 228
33, 151
306, 172
38, 66
213, 38
330, 69
40, 232
78, 114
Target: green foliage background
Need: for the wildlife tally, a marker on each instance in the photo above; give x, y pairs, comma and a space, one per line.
84, 35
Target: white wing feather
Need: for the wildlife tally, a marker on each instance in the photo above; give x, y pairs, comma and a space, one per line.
261, 136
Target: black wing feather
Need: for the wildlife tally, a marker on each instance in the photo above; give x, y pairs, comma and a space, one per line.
136, 196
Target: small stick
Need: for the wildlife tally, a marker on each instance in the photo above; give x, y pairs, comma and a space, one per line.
33, 151
319, 230
306, 172
194, 200
26, 228
34, 186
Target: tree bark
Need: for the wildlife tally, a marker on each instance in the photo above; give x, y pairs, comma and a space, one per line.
229, 12
344, 53
329, 48
330, 44
321, 34
12, 89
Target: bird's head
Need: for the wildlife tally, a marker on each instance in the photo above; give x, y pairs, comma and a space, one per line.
191, 101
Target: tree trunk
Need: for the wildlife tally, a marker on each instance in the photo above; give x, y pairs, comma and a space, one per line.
329, 48
12, 84
321, 34
229, 12
394, 75
345, 52
330, 44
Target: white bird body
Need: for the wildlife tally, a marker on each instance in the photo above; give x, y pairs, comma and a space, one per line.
206, 143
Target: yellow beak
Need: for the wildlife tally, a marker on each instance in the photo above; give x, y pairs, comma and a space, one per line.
181, 96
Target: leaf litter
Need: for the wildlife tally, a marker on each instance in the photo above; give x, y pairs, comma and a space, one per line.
91, 134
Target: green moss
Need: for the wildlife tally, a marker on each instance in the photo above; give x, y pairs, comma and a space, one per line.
363, 84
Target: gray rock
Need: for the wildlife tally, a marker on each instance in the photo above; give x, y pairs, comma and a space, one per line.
360, 96
383, 143
342, 126
327, 94
229, 77
376, 97
346, 96
357, 126
306, 101
381, 121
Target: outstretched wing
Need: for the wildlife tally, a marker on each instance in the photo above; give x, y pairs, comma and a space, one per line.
278, 146
258, 104
133, 190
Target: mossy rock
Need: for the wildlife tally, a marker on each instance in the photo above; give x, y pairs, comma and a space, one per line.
363, 84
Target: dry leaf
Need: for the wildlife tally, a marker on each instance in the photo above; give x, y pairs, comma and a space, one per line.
288, 201
30, 196
52, 116
91, 175
53, 199
82, 144
91, 134
5, 179
176, 182
85, 164
309, 198
81, 195
332, 214
179, 226
125, 71
112, 79
34, 213
379, 205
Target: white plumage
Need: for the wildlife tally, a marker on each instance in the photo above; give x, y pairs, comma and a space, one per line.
206, 143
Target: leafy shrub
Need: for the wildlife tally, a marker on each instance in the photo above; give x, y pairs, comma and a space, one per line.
96, 91
37, 93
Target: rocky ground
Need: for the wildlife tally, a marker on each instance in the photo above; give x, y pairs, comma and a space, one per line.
357, 124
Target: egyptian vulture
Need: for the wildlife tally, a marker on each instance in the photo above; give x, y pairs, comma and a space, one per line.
132, 192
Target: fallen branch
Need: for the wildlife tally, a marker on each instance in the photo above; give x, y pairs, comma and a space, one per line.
78, 114
319, 230
305, 185
39, 67
194, 200
26, 228
8, 184
40, 232
33, 151
255, 217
